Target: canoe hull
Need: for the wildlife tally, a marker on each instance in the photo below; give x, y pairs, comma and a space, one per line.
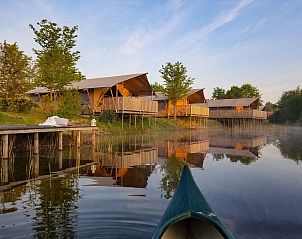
188, 215
191, 228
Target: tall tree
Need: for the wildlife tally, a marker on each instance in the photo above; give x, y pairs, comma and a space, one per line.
289, 107
56, 59
218, 93
270, 106
176, 82
157, 87
233, 93
15, 71
249, 91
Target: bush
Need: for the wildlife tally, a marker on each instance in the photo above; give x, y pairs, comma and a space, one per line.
48, 106
108, 116
290, 107
19, 105
69, 104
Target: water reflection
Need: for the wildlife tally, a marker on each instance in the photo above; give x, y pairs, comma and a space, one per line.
56, 215
172, 172
289, 143
25, 165
67, 194
245, 150
126, 163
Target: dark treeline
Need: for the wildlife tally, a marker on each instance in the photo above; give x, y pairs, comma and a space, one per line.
289, 107
235, 92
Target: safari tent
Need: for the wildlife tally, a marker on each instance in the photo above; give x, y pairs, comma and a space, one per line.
117, 93
244, 108
184, 107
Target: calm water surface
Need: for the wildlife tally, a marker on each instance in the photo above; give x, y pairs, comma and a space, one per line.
121, 187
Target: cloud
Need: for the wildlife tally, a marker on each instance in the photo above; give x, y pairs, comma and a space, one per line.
146, 34
227, 17
221, 20
175, 4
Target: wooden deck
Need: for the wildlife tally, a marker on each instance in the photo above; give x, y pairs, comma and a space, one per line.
132, 105
188, 110
129, 159
237, 114
229, 142
181, 149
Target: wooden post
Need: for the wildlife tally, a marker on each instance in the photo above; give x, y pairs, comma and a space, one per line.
149, 121
135, 142
190, 121
36, 166
78, 135
5, 171
78, 159
93, 154
129, 120
93, 137
36, 143
122, 119
142, 121
5, 144
60, 138
134, 121
154, 123
60, 156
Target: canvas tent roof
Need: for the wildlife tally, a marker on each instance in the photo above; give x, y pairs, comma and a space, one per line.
195, 96
231, 102
262, 107
138, 84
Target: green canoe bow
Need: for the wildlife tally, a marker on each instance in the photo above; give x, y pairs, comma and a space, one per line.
188, 204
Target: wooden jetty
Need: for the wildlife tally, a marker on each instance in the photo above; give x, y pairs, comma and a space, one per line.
6, 132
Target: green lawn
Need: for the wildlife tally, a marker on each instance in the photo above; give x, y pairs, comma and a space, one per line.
32, 118
10, 118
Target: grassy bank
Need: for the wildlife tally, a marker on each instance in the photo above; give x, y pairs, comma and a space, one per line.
10, 118
145, 126
33, 118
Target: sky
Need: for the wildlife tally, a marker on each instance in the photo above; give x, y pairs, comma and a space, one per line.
221, 42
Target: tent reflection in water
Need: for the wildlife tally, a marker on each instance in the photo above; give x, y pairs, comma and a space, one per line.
189, 215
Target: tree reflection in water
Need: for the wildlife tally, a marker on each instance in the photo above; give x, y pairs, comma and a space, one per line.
173, 169
290, 146
56, 214
243, 160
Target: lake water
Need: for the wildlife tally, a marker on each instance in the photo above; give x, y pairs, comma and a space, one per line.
121, 187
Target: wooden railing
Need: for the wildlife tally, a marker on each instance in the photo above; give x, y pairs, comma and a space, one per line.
237, 114
198, 110
129, 159
189, 110
229, 142
130, 105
